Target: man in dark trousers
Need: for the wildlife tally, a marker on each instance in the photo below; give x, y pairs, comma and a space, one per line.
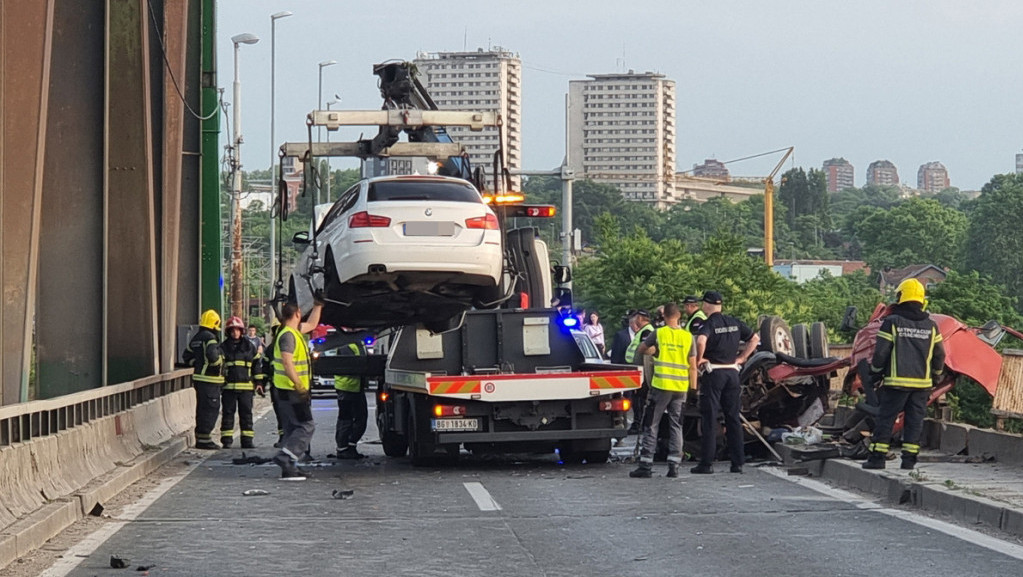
292, 373
206, 357
243, 376
910, 358
717, 350
352, 408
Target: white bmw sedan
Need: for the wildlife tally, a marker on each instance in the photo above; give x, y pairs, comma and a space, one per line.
398, 250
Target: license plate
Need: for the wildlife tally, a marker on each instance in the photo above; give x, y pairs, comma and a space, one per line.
456, 424
429, 229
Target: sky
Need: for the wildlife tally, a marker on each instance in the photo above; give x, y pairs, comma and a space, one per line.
907, 81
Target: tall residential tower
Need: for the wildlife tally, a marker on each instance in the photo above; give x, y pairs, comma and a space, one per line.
839, 173
621, 131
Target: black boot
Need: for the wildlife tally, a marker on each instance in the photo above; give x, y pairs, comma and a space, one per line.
875, 461
644, 471
227, 442
908, 460
247, 443
672, 470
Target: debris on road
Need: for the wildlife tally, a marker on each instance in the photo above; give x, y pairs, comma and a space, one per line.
255, 492
117, 562
342, 493
145, 567
250, 460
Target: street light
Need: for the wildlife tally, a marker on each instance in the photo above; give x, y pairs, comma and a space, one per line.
236, 228
273, 139
319, 106
337, 100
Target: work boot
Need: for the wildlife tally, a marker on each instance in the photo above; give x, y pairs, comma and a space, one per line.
306, 458
207, 445
908, 461
702, 469
672, 470
247, 443
736, 469
875, 461
642, 472
227, 442
350, 453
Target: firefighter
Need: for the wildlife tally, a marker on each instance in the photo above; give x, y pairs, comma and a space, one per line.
695, 317
205, 356
352, 409
243, 376
674, 353
291, 362
720, 391
909, 359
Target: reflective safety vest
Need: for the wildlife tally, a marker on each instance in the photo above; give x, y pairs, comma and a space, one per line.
698, 315
641, 335
671, 365
203, 345
301, 358
349, 383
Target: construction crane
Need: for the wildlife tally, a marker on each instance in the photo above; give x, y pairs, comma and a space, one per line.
769, 208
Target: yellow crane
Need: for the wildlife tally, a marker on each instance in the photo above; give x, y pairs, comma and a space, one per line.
769, 209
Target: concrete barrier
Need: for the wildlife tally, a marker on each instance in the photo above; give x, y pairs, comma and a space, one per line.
960, 439
74, 460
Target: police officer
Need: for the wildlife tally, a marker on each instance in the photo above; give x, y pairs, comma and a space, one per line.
243, 376
352, 409
909, 358
641, 328
674, 354
695, 317
292, 370
206, 357
719, 360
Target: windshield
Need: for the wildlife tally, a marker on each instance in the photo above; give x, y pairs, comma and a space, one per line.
422, 190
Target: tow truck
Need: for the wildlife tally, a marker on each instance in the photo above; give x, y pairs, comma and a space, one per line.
515, 377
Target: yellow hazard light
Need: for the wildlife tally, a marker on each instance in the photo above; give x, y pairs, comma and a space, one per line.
510, 198
449, 410
384, 397
614, 405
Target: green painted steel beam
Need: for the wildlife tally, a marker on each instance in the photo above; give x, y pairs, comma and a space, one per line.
211, 292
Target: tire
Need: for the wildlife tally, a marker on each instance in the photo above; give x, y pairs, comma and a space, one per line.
395, 445
818, 345
775, 336
596, 457
800, 338
419, 452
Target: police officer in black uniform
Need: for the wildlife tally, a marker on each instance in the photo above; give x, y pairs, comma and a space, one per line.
718, 356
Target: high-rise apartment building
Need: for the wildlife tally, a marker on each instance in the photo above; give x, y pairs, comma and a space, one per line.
485, 80
882, 173
840, 174
621, 131
712, 169
932, 177
1019, 163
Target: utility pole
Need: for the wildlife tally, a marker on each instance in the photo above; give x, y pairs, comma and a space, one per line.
237, 294
567, 176
273, 140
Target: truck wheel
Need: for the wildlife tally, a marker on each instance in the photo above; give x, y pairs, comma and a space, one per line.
395, 445
775, 335
596, 457
818, 345
800, 336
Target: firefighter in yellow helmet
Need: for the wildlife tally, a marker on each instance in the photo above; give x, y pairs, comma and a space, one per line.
205, 356
909, 359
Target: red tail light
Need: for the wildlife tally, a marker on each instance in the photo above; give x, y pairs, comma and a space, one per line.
365, 220
448, 411
384, 396
488, 222
615, 405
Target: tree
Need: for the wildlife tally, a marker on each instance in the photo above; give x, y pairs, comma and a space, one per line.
914, 232
994, 245
974, 299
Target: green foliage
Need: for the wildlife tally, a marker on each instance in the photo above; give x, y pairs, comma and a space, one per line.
913, 232
974, 299
995, 240
970, 403
827, 297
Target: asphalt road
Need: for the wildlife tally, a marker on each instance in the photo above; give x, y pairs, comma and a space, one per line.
521, 515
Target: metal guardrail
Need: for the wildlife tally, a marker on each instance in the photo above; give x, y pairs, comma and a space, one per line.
26, 421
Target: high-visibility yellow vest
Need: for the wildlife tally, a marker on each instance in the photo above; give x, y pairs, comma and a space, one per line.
698, 315
301, 358
671, 364
349, 383
637, 339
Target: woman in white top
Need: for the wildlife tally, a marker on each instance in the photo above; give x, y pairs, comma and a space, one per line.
593, 328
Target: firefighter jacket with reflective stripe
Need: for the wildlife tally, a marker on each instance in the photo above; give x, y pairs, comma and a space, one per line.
671, 364
698, 318
205, 356
909, 351
641, 335
242, 365
300, 357
349, 383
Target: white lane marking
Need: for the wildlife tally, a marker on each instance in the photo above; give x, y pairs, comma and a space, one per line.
962, 533
482, 497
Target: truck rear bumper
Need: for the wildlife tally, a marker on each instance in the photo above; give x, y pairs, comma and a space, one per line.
529, 436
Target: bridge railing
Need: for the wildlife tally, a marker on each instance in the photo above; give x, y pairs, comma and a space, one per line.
23, 422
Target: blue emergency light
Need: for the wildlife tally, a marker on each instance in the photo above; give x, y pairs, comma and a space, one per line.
368, 341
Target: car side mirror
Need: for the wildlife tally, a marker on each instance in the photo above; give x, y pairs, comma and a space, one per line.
562, 274
848, 320
301, 237
991, 333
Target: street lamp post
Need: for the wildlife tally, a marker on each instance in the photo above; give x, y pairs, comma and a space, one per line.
319, 106
273, 139
236, 228
337, 100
